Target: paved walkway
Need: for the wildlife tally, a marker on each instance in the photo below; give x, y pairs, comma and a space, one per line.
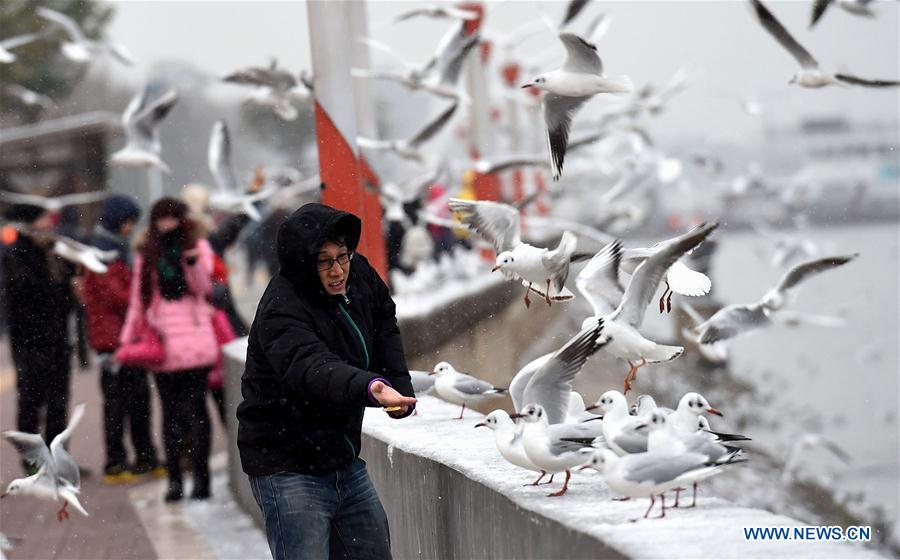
126, 521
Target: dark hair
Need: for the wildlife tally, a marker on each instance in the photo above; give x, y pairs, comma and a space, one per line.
152, 249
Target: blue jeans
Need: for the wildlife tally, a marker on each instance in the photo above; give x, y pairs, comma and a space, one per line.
334, 515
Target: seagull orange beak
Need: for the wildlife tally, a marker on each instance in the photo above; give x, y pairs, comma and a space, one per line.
712, 410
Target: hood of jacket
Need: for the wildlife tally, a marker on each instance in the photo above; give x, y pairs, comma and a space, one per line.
301, 236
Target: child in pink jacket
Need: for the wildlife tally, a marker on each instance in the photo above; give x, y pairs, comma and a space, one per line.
172, 279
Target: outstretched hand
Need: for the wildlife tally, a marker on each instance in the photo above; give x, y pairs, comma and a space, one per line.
388, 397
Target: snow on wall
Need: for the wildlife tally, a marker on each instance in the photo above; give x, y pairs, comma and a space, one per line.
714, 529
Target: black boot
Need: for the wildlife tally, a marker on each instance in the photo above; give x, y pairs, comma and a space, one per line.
201, 485
175, 492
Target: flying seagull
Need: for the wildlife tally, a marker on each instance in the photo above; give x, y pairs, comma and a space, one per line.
568, 88
810, 74
79, 48
141, 121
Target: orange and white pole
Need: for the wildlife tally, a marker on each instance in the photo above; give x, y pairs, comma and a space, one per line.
331, 37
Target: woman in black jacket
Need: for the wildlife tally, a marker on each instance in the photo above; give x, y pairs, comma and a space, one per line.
323, 345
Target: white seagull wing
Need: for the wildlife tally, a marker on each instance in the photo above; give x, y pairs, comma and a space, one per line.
778, 31
496, 222
598, 281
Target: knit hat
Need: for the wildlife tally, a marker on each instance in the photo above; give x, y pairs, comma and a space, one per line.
118, 209
25, 213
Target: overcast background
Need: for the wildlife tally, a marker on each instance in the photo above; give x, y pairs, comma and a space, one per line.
718, 40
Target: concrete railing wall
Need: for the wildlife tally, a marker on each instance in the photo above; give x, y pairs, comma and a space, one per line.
448, 493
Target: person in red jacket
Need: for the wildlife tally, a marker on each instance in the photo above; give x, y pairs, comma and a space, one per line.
126, 393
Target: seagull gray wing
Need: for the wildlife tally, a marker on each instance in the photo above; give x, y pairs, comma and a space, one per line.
271, 77
778, 31
433, 127
582, 57
64, 21
731, 321
551, 384
633, 437
421, 381
30, 446
866, 83
142, 122
220, 158
24, 198
469, 385
496, 222
521, 379
807, 269
19, 40
561, 436
558, 113
449, 72
598, 281
497, 166
657, 469
645, 280
81, 198
572, 10
818, 10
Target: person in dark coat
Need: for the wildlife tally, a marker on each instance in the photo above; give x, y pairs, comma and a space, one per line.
38, 288
126, 392
324, 344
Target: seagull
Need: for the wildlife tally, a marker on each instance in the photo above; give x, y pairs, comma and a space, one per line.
499, 224
855, 7
79, 48
57, 476
88, 256
809, 75
664, 438
547, 381
53, 203
737, 319
440, 74
409, 149
716, 353
547, 446
276, 87
599, 279
395, 197
680, 278
622, 432
437, 12
141, 121
7, 45
73, 251
568, 88
30, 97
461, 388
508, 439
227, 197
647, 475
687, 413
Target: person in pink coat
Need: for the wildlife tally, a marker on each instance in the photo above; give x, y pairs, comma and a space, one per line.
169, 290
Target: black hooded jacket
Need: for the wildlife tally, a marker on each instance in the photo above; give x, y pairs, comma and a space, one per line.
307, 375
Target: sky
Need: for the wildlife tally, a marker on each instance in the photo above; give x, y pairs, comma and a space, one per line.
725, 48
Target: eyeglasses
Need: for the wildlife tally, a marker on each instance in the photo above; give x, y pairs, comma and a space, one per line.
326, 264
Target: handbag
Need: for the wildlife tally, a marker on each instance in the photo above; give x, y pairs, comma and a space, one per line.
145, 350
